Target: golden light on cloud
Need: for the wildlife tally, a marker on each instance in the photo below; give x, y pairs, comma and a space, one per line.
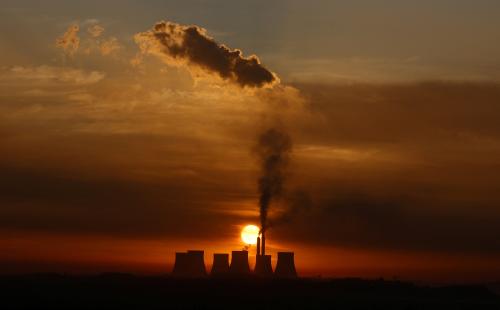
249, 234
69, 41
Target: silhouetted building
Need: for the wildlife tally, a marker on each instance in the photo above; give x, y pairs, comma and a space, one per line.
285, 268
220, 266
189, 265
263, 266
239, 263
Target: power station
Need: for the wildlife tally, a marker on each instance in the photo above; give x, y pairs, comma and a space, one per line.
191, 264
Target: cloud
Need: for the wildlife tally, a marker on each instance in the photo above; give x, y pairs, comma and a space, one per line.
358, 218
69, 42
181, 45
109, 46
95, 30
56, 74
395, 166
400, 167
55, 201
93, 42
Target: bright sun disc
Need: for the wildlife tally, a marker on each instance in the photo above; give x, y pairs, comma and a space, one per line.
249, 234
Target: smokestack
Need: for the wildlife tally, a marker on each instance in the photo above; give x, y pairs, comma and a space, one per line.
263, 266
239, 263
258, 246
220, 266
263, 252
189, 265
285, 268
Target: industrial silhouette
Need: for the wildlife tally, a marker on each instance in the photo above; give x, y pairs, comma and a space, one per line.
239, 263
220, 266
191, 264
263, 266
285, 268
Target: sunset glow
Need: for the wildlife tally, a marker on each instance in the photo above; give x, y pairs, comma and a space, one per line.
365, 135
249, 234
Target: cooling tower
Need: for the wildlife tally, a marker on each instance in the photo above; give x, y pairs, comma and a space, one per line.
239, 263
220, 266
181, 265
189, 265
285, 268
197, 263
263, 266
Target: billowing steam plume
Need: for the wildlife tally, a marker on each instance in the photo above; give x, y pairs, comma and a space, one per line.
190, 45
273, 150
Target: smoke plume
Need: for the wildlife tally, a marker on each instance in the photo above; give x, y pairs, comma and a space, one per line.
273, 149
296, 202
190, 45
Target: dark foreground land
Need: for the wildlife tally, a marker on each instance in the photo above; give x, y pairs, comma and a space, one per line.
119, 291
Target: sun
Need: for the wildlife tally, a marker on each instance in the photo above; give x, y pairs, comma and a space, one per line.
249, 234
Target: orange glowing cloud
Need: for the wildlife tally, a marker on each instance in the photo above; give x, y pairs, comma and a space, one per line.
69, 42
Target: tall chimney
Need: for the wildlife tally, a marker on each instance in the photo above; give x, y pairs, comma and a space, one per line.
263, 252
285, 268
220, 267
239, 263
258, 246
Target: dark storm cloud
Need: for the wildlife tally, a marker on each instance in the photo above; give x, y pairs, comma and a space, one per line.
192, 46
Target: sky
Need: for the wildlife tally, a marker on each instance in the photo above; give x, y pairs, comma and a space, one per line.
119, 147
